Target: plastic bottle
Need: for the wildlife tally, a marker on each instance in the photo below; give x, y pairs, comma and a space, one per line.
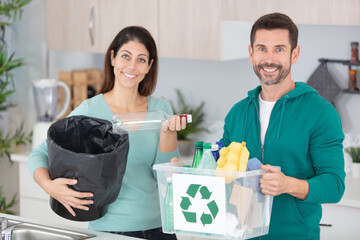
198, 153
220, 144
354, 52
352, 80
207, 160
134, 121
215, 151
169, 208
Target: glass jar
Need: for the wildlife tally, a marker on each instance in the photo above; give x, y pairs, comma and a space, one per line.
352, 80
354, 52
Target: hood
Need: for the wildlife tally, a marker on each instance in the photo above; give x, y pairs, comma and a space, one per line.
301, 88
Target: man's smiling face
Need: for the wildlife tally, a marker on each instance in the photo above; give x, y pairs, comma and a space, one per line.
271, 55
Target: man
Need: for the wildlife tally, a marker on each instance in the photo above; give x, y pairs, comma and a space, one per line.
288, 124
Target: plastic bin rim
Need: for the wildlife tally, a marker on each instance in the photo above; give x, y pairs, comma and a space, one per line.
176, 167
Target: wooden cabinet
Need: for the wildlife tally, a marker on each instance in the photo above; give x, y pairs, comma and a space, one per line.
301, 11
90, 25
190, 29
193, 29
117, 14
181, 28
67, 25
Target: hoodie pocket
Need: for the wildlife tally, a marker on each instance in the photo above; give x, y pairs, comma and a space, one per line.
294, 206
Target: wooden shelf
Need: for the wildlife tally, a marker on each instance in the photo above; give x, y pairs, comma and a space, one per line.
351, 91
326, 60
352, 64
344, 62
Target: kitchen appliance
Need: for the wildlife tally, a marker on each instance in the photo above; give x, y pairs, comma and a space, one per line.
46, 102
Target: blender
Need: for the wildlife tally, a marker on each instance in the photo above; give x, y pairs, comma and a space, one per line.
46, 103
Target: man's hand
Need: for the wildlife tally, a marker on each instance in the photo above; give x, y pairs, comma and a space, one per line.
274, 183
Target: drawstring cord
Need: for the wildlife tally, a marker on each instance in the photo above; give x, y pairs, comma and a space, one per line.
245, 121
282, 114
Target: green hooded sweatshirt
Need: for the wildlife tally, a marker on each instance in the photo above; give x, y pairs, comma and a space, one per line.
304, 138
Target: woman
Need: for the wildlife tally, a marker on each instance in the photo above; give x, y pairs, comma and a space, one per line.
131, 66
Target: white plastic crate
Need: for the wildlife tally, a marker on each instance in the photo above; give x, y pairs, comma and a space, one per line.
213, 204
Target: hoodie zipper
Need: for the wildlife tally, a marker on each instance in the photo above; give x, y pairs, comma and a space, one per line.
262, 146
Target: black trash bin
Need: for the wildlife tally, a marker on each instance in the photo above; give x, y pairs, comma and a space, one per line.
88, 150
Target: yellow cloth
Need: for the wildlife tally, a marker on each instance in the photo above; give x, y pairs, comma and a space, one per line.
233, 158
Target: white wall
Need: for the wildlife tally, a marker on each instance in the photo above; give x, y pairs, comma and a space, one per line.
319, 41
219, 84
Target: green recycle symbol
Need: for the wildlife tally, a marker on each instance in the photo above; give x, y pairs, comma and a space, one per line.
205, 194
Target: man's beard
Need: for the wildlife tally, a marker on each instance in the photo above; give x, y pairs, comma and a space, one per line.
283, 73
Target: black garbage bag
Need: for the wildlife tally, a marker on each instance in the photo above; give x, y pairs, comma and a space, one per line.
88, 150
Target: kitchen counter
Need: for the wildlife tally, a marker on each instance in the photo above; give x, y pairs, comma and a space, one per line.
21, 157
334, 226
34, 204
99, 235
351, 196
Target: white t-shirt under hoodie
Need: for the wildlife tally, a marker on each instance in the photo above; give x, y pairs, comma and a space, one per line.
265, 113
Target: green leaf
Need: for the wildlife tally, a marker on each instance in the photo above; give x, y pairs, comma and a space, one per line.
4, 206
354, 152
8, 141
10, 11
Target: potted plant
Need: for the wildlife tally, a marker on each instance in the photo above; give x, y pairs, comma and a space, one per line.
354, 152
5, 207
9, 143
185, 145
10, 10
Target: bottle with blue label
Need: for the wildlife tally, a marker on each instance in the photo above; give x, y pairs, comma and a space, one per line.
169, 207
220, 144
215, 151
207, 160
198, 154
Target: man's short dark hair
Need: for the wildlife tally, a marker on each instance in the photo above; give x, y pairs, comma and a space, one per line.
276, 21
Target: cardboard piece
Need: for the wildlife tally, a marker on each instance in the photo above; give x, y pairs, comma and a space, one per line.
241, 199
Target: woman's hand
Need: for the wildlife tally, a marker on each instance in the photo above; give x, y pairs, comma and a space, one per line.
168, 135
58, 189
175, 159
176, 123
